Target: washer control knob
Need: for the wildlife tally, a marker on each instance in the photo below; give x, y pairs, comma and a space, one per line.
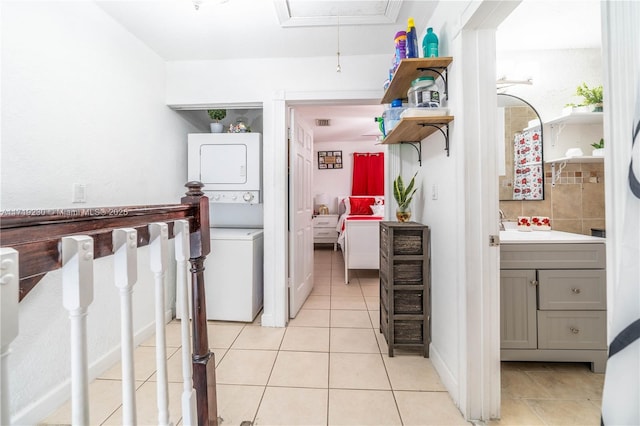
247, 196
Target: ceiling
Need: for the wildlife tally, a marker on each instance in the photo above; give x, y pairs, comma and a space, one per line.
232, 29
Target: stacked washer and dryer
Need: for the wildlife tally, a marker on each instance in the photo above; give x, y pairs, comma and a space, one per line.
230, 167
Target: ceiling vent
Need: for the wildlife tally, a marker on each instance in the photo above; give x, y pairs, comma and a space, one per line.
322, 122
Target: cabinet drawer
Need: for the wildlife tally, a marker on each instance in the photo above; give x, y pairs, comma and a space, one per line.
324, 233
552, 256
572, 330
325, 221
568, 289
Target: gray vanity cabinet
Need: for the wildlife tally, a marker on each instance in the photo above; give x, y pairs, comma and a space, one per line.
518, 329
553, 303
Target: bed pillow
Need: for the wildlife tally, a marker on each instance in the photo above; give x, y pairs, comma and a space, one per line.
361, 205
378, 209
343, 206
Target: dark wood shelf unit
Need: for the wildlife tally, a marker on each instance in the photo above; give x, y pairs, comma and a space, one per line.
405, 307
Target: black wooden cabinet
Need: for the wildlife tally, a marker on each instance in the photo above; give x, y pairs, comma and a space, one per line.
405, 285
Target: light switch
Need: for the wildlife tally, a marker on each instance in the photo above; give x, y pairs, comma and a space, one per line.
79, 193
434, 192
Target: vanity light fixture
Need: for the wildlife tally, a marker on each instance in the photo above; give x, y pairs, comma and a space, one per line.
503, 82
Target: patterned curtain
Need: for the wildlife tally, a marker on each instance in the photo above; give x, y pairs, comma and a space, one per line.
528, 169
368, 173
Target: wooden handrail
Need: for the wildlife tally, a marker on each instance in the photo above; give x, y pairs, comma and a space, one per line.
36, 235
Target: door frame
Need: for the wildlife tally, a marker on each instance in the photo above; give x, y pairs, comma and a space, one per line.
276, 193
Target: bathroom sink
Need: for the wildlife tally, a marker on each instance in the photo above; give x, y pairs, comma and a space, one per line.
510, 225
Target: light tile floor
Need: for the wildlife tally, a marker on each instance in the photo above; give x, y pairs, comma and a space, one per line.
330, 367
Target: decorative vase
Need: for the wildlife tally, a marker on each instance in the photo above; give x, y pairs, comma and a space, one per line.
216, 127
403, 214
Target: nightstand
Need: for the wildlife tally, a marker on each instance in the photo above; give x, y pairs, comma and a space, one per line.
324, 229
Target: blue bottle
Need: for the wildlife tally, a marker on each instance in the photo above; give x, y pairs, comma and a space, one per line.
412, 39
430, 44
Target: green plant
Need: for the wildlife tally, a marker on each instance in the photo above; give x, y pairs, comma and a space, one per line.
402, 194
591, 96
217, 114
598, 145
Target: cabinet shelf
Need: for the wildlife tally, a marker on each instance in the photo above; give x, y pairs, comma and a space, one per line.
412, 68
562, 162
578, 118
581, 159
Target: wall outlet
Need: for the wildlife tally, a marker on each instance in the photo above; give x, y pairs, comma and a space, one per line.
434, 191
79, 193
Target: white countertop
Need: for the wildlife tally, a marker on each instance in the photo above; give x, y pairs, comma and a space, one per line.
513, 236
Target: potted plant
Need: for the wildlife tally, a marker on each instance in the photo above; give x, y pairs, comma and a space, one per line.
403, 196
598, 150
217, 115
592, 98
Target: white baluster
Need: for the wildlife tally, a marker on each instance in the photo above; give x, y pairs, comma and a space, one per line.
77, 295
125, 245
9, 279
181, 232
158, 245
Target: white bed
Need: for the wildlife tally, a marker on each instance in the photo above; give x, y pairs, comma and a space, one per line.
359, 236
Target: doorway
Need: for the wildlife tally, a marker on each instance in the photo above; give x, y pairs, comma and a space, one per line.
339, 127
530, 387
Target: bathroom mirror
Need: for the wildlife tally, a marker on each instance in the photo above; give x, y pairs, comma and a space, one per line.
520, 150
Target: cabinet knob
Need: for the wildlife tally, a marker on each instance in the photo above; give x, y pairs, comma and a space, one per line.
533, 282
575, 290
574, 330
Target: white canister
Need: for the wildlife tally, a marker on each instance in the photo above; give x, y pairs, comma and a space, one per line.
423, 93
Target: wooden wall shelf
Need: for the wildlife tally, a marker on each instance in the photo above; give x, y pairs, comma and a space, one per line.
415, 129
412, 68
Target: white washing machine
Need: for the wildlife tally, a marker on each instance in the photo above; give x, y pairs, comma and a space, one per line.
233, 274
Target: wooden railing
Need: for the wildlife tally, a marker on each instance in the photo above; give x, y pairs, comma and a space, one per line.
40, 238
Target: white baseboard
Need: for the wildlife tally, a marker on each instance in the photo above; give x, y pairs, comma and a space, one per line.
38, 410
448, 379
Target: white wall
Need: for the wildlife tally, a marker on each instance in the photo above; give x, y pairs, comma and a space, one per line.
82, 102
335, 182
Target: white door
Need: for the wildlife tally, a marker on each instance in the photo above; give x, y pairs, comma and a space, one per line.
300, 214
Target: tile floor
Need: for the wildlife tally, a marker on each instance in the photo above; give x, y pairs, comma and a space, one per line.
329, 367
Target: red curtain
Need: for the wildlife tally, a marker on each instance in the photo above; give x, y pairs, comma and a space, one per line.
368, 173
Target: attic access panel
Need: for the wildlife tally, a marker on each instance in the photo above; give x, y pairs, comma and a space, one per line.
310, 13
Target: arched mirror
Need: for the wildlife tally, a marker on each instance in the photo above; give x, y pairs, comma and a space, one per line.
522, 177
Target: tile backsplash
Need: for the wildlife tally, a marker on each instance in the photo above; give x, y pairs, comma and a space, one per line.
575, 204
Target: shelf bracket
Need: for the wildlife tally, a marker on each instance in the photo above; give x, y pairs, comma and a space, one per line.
445, 134
442, 76
556, 176
418, 147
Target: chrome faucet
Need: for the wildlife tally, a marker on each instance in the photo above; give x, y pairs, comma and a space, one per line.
502, 217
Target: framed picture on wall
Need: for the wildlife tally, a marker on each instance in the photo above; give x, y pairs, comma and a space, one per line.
329, 159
